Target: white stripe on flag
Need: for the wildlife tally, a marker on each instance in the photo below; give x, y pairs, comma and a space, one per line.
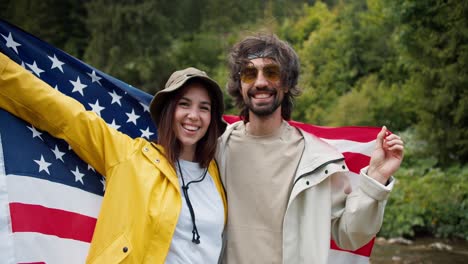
6, 240
352, 146
52, 249
30, 190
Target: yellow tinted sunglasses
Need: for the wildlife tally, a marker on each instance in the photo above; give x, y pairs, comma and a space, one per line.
272, 73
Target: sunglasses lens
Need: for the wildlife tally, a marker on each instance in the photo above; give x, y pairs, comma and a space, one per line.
271, 72
249, 74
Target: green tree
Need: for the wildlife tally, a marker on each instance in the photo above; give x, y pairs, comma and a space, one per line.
341, 49
350, 62
59, 22
432, 38
129, 40
310, 35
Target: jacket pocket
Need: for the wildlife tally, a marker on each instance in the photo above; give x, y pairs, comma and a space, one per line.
116, 252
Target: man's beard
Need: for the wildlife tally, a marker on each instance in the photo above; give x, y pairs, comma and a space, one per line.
263, 110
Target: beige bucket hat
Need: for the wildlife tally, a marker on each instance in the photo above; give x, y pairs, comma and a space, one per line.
177, 81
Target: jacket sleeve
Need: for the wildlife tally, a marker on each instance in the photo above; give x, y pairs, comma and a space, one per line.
34, 101
357, 217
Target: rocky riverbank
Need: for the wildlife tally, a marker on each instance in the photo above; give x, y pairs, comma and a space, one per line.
420, 250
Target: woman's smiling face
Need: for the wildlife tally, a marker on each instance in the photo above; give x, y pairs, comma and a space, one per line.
192, 117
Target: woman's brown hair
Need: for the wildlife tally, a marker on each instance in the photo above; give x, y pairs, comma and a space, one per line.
206, 146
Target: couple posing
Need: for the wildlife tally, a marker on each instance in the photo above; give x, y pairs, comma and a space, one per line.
257, 191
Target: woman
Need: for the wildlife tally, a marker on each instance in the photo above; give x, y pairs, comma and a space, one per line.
164, 202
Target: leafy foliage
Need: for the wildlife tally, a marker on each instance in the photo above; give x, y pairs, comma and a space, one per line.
59, 22
432, 39
430, 200
425, 198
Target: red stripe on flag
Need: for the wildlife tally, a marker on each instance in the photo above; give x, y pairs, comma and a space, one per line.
358, 134
40, 219
365, 250
230, 118
31, 263
356, 161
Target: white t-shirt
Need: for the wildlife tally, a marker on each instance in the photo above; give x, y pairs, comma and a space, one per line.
209, 218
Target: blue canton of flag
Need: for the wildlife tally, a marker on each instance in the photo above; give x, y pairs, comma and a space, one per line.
120, 105
41, 179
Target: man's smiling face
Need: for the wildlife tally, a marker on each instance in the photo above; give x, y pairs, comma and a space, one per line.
261, 86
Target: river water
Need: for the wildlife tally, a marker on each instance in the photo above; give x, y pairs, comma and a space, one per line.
420, 251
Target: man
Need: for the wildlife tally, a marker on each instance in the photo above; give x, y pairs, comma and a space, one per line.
287, 190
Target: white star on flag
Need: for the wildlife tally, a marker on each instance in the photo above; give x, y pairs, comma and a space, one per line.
96, 107
91, 168
94, 77
145, 107
132, 117
78, 175
58, 154
115, 98
114, 125
78, 86
43, 165
36, 70
146, 133
35, 132
56, 63
24, 66
103, 181
10, 43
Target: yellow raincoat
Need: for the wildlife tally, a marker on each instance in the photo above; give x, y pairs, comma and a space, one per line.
142, 202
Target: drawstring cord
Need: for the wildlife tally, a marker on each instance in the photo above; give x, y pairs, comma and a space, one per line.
195, 234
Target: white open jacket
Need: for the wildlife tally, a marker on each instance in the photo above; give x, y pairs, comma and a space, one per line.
318, 208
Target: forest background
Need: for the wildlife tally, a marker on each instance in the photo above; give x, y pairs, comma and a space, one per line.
400, 63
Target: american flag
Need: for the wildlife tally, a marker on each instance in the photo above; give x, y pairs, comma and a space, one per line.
50, 199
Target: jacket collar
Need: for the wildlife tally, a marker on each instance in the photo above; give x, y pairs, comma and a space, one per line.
157, 156
316, 154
